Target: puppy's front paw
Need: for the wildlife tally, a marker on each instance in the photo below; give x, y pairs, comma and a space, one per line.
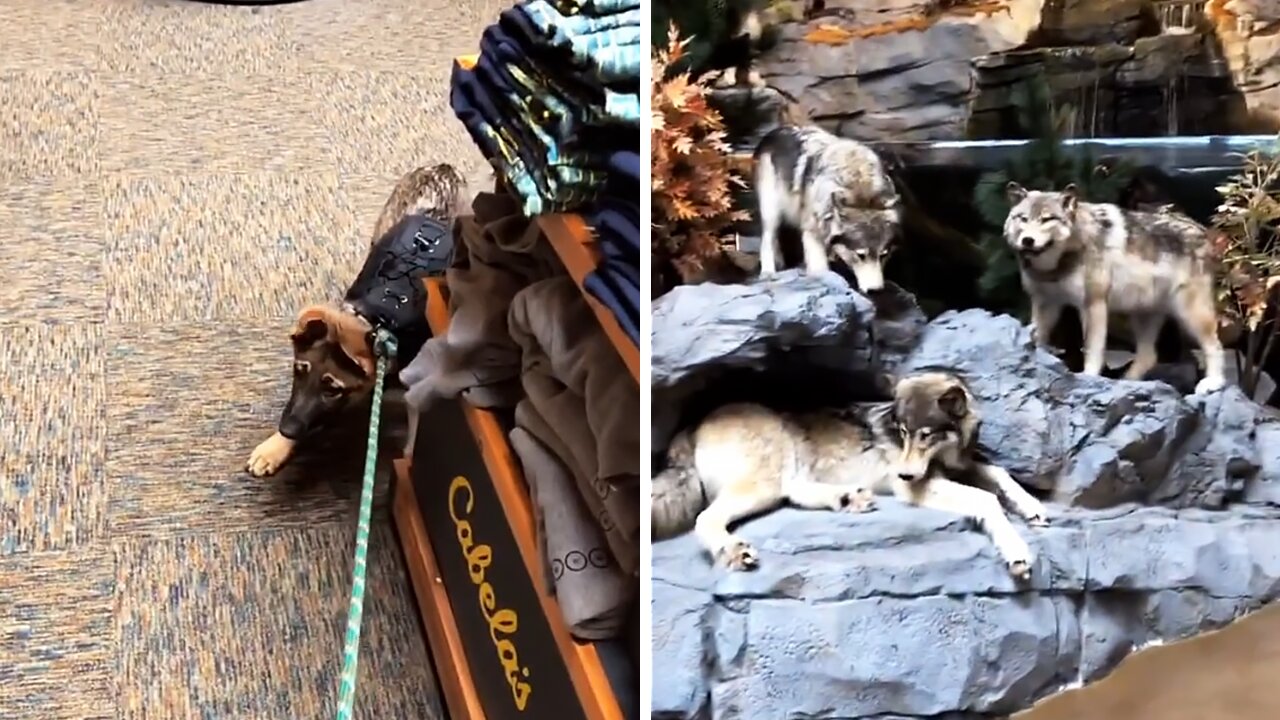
267, 458
858, 501
738, 554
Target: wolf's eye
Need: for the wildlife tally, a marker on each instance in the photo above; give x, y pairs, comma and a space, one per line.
885, 252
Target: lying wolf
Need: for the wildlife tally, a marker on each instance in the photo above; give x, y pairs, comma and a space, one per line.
1102, 260
745, 458
836, 192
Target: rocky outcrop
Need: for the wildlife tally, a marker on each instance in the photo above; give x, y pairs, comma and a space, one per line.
909, 85
701, 332
1164, 512
905, 612
1247, 33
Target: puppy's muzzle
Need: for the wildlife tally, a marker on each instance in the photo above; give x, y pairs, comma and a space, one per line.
301, 418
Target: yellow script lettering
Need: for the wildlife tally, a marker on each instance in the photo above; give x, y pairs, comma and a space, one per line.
502, 622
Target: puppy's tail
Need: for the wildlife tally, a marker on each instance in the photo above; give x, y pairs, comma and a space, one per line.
678, 493
437, 192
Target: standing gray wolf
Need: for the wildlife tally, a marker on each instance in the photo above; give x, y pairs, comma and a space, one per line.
333, 356
1101, 259
836, 192
745, 458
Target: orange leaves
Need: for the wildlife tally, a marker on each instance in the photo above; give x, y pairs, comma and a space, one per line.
693, 174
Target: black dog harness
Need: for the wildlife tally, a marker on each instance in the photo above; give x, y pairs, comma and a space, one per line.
388, 293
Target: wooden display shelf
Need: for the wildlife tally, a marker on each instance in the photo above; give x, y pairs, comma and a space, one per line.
572, 240
463, 658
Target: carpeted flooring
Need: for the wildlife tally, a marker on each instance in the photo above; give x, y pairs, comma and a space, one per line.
176, 181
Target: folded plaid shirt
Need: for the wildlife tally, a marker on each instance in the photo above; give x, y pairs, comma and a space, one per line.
607, 45
562, 182
571, 108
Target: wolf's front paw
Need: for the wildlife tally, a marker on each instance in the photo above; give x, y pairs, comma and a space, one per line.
1019, 559
737, 554
267, 458
1210, 385
858, 501
1020, 570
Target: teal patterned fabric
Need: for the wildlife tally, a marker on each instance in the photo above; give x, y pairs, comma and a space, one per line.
608, 45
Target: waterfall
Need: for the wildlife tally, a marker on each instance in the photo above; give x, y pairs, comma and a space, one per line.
1180, 16
1171, 106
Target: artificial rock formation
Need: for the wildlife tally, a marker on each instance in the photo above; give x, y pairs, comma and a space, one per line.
903, 70
1164, 513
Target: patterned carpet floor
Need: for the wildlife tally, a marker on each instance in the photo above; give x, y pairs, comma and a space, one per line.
176, 180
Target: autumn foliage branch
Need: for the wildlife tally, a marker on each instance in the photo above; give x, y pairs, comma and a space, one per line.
694, 175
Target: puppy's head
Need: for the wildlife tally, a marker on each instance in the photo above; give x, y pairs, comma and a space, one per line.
863, 240
333, 367
936, 421
1040, 225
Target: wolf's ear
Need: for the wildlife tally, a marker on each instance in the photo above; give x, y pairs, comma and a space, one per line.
1014, 192
312, 327
954, 401
1070, 198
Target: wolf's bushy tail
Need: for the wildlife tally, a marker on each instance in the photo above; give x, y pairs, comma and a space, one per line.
678, 493
437, 192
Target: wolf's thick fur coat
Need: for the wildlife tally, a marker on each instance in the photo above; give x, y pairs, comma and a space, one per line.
1103, 260
744, 458
836, 192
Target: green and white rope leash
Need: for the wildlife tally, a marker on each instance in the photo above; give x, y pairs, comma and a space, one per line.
384, 346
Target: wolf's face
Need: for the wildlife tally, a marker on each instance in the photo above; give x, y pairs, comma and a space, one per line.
863, 240
934, 422
332, 369
1040, 224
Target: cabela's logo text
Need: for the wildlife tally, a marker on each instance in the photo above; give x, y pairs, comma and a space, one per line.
502, 623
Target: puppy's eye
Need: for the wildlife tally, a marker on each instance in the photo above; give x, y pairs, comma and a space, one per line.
332, 388
301, 367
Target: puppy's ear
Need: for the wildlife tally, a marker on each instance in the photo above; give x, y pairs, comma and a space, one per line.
311, 327
1014, 192
1070, 198
954, 401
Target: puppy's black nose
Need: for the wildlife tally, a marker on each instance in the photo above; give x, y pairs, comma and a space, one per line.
1027, 242
292, 428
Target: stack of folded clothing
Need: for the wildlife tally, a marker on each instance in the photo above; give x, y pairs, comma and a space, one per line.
552, 100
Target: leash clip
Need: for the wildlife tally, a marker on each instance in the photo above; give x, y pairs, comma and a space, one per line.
384, 343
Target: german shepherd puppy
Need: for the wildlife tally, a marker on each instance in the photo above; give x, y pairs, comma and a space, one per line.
745, 458
836, 192
1101, 259
333, 353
